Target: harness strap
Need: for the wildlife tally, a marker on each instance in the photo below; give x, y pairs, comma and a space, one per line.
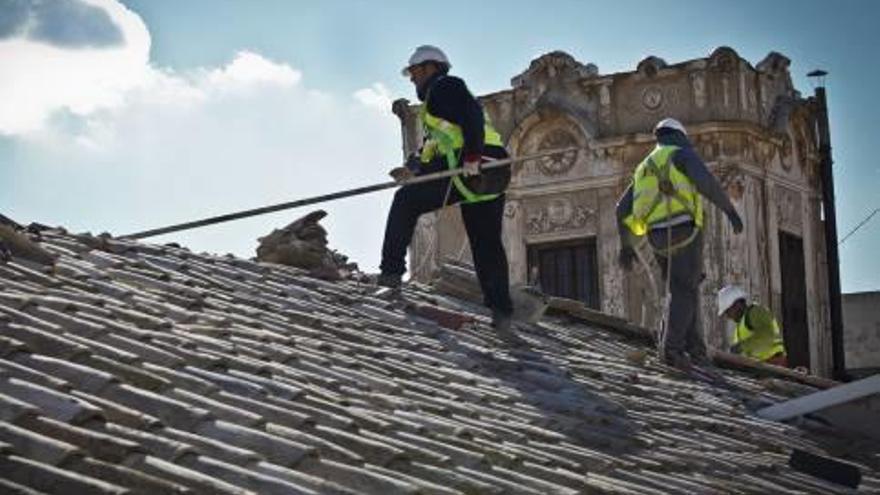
665, 186
670, 193
674, 248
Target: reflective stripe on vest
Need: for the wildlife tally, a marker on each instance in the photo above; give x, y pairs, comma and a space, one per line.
662, 192
446, 138
758, 345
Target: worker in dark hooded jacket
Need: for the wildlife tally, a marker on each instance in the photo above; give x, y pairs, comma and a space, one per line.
457, 135
664, 202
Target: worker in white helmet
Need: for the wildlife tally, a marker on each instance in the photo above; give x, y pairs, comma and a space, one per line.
457, 135
664, 202
757, 334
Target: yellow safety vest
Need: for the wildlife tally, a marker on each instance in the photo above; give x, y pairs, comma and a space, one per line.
762, 343
661, 192
446, 138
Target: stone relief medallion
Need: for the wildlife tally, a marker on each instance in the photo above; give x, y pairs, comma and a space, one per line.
557, 214
559, 211
652, 98
560, 163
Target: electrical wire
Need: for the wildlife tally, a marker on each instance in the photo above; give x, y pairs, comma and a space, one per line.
860, 225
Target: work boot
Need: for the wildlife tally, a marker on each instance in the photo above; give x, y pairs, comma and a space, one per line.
503, 325
501, 321
678, 360
5, 253
389, 280
701, 359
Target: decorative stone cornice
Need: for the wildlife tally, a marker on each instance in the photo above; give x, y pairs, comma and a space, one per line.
774, 62
725, 59
551, 66
650, 66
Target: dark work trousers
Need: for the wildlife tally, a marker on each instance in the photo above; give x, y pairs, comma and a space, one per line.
482, 222
684, 329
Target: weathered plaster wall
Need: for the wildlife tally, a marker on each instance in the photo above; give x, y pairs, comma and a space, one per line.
861, 328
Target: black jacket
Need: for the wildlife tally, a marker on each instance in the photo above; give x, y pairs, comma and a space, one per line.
449, 99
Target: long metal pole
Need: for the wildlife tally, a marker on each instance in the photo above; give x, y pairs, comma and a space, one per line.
333, 196
833, 260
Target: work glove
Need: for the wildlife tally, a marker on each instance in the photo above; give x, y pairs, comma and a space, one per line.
625, 257
471, 165
401, 174
735, 221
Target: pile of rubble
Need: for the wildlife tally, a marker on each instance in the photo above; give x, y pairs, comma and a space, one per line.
13, 242
303, 244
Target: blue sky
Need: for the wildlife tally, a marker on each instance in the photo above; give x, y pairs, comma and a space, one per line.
208, 106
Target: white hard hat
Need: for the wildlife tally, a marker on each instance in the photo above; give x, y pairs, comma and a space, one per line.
426, 53
728, 296
670, 123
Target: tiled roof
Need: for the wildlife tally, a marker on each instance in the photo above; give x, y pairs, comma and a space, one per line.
134, 368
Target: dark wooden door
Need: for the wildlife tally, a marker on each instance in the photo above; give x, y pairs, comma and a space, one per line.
795, 328
567, 269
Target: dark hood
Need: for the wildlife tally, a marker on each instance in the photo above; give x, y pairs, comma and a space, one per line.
674, 138
422, 90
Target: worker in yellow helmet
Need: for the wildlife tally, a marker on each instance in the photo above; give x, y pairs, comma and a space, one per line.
457, 134
758, 335
664, 202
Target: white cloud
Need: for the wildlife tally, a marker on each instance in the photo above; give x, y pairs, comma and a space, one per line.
249, 68
107, 142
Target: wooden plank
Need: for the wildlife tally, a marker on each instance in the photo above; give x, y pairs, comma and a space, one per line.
579, 311
737, 362
576, 310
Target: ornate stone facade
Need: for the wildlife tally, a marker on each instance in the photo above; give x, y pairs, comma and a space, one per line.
749, 124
